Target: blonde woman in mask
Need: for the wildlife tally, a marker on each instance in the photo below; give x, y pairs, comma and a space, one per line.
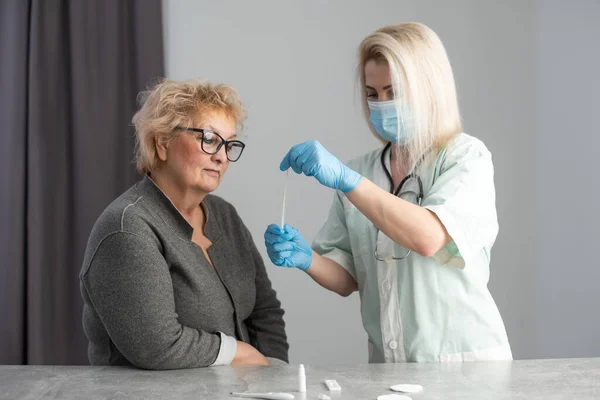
412, 223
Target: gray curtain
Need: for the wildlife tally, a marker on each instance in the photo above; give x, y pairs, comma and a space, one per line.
70, 73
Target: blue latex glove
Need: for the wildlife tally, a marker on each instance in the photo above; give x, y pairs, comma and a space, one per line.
287, 248
312, 159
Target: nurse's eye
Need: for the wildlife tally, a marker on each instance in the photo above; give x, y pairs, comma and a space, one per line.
371, 95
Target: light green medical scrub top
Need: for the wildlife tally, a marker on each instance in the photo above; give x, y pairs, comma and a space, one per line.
426, 309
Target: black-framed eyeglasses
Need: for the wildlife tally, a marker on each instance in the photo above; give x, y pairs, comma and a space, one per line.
211, 142
410, 189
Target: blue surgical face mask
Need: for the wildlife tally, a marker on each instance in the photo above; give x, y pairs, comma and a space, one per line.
384, 117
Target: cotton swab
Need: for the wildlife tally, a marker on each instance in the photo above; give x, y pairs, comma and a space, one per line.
284, 196
268, 396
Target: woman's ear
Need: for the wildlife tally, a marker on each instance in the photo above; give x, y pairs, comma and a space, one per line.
161, 148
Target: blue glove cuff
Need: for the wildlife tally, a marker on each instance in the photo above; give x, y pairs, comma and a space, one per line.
350, 180
308, 261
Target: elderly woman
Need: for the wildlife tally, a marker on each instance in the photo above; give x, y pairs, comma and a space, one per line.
171, 277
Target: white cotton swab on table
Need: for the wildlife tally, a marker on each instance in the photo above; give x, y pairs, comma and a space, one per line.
284, 196
267, 396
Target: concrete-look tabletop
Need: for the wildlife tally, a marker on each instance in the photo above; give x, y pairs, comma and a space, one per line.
529, 379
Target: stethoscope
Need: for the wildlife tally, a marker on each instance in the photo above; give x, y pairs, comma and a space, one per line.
398, 192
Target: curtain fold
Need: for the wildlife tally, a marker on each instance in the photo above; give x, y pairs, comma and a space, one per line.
75, 69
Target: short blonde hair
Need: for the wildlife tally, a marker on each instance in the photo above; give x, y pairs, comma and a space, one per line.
170, 104
423, 83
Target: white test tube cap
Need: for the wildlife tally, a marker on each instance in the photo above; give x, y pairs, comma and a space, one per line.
301, 379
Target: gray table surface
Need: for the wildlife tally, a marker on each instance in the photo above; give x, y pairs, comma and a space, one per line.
529, 379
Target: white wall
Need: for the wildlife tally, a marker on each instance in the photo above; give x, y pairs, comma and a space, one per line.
294, 64
567, 184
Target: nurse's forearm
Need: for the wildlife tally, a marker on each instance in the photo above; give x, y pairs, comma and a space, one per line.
407, 224
331, 275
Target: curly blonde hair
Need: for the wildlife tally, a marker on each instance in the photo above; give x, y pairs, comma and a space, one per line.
170, 104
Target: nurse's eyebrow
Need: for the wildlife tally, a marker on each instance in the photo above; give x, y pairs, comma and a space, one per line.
384, 88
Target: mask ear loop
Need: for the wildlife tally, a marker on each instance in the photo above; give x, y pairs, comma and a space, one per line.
284, 196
